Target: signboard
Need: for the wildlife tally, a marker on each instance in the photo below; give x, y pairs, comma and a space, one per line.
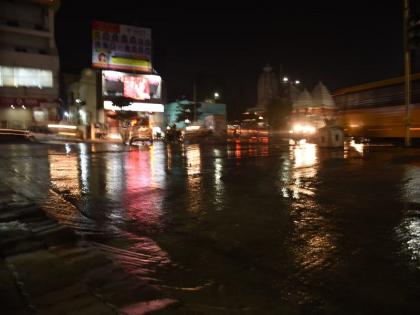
121, 47
135, 86
26, 102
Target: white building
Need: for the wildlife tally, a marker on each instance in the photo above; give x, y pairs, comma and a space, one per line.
29, 63
316, 107
93, 96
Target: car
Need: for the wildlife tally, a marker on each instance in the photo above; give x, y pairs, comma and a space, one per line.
44, 134
40, 134
140, 131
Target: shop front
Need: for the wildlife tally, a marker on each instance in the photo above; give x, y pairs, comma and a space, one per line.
21, 113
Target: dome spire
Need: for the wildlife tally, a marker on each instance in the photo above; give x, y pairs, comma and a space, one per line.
322, 97
304, 100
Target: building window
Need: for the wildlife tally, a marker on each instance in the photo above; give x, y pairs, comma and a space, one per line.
27, 77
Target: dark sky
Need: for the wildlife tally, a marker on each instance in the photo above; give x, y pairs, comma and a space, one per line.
341, 43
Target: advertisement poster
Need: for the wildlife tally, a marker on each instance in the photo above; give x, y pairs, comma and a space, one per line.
121, 47
135, 86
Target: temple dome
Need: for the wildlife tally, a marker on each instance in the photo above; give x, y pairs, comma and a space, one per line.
304, 100
267, 87
321, 97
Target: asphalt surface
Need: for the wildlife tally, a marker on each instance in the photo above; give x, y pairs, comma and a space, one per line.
240, 228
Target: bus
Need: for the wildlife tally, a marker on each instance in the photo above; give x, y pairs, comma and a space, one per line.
377, 109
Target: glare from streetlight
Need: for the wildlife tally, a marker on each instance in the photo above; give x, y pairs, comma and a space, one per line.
297, 82
216, 95
285, 79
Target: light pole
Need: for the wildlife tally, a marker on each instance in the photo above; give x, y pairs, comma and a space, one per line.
407, 66
194, 101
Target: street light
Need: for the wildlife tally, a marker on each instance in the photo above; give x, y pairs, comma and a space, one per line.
285, 79
216, 95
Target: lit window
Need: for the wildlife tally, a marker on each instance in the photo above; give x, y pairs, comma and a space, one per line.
28, 77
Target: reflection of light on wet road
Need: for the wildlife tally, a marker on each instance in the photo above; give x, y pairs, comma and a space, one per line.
65, 180
408, 231
169, 157
68, 148
157, 167
313, 242
238, 150
304, 155
304, 240
145, 177
359, 147
218, 183
64, 172
84, 171
248, 150
297, 179
114, 173
193, 159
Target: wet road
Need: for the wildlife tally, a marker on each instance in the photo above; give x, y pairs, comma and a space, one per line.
263, 228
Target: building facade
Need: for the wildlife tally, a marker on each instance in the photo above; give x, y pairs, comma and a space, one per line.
209, 115
29, 64
97, 97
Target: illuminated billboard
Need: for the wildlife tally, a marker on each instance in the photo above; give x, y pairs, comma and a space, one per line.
135, 86
121, 47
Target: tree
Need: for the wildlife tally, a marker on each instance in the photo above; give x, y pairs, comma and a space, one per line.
187, 110
278, 111
123, 115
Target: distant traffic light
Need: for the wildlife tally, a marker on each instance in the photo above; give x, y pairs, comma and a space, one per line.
414, 32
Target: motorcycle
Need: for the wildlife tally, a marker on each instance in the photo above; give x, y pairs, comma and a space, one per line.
173, 136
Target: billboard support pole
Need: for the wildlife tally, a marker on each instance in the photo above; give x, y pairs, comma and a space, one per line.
194, 101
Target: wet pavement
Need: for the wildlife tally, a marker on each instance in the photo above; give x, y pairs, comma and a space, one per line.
238, 228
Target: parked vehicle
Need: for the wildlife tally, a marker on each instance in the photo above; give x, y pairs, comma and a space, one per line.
196, 134
140, 131
173, 135
46, 135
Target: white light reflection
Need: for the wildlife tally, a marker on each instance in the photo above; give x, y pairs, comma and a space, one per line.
157, 165
68, 148
169, 158
305, 159
408, 231
65, 179
114, 174
193, 161
218, 183
84, 171
359, 147
313, 242
304, 155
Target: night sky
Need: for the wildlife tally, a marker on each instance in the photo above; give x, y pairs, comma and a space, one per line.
341, 43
